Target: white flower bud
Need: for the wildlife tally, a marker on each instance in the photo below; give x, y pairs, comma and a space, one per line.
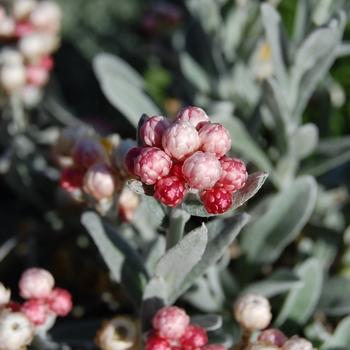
11, 56
296, 343
47, 16
7, 27
32, 46
120, 333
13, 77
31, 95
5, 295
252, 311
22, 8
16, 330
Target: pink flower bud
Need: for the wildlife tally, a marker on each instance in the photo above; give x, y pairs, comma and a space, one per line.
60, 301
22, 29
296, 343
170, 190
170, 322
155, 342
234, 174
37, 76
100, 181
36, 310
88, 152
215, 139
14, 306
194, 337
152, 131
194, 115
201, 170
252, 311
176, 170
47, 62
12, 78
152, 164
46, 16
272, 337
180, 140
262, 346
128, 203
216, 200
32, 46
130, 158
35, 283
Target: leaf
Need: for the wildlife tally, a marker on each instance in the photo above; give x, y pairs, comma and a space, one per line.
300, 303
178, 261
215, 249
271, 21
305, 140
340, 339
335, 297
265, 238
157, 210
280, 281
194, 73
139, 187
107, 65
122, 260
157, 250
209, 322
254, 182
128, 99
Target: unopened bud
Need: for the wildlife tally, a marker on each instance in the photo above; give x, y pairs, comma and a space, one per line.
32, 46
261, 346
128, 203
296, 343
46, 16
11, 57
37, 76
7, 27
272, 337
252, 311
60, 301
12, 78
22, 8
31, 95
88, 152
36, 310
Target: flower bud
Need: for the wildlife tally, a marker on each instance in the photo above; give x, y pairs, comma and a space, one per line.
16, 330
193, 115
180, 140
12, 77
128, 203
5, 295
152, 131
120, 333
71, 179
215, 139
22, 8
261, 346
170, 190
296, 343
119, 153
252, 311
272, 337
35, 283
88, 152
100, 181
60, 301
36, 310
32, 46
216, 200
22, 29
214, 347
47, 16
37, 76
201, 170
195, 337
7, 27
11, 57
31, 95
152, 164
130, 157
170, 322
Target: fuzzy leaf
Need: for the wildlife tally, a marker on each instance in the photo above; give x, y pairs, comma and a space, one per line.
122, 260
215, 249
280, 281
139, 187
340, 339
128, 99
194, 207
157, 250
300, 303
305, 140
288, 212
209, 322
157, 210
178, 261
107, 65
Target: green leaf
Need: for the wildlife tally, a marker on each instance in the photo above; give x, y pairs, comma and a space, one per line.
280, 281
194, 73
215, 249
139, 187
158, 211
106, 65
122, 260
156, 252
178, 261
340, 339
305, 140
266, 237
335, 297
254, 182
300, 303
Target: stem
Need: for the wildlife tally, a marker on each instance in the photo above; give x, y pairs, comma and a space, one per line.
178, 219
19, 119
243, 342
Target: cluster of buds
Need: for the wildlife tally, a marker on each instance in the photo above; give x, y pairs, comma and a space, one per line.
19, 322
94, 169
188, 153
172, 331
253, 312
31, 33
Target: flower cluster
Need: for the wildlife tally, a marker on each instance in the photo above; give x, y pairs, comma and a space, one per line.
253, 312
20, 321
31, 33
172, 330
188, 153
94, 168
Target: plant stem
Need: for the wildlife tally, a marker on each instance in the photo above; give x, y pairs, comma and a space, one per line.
19, 118
178, 219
